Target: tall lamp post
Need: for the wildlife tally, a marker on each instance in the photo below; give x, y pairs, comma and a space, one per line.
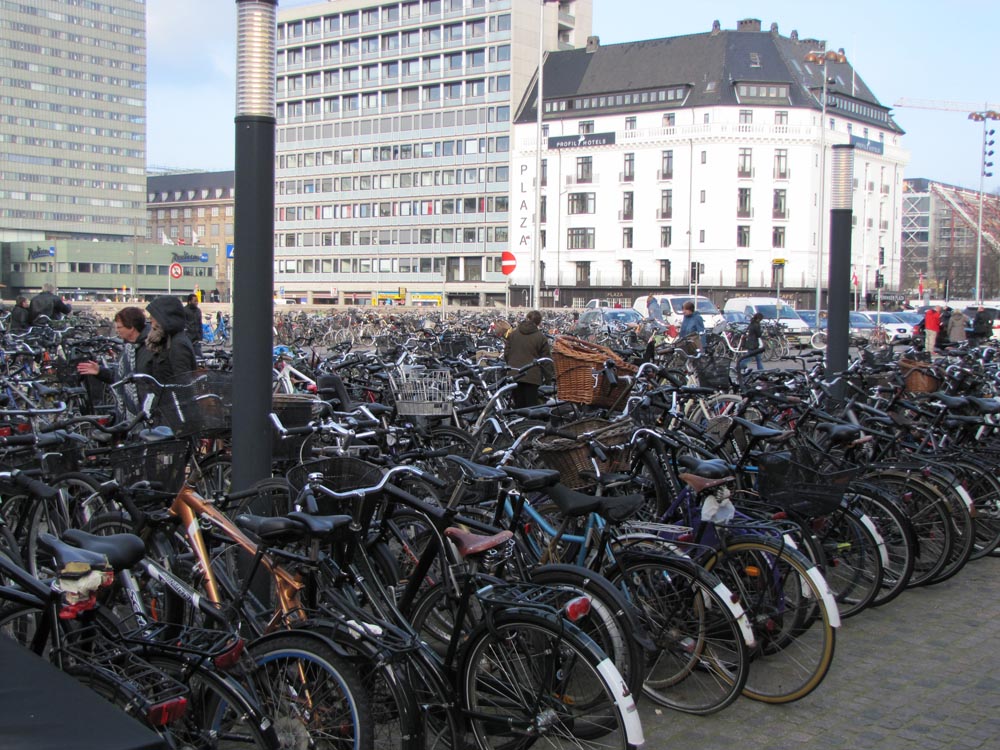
984, 117
253, 238
823, 57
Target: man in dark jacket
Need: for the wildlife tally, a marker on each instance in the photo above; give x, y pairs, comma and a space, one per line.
20, 315
524, 345
982, 326
48, 304
192, 318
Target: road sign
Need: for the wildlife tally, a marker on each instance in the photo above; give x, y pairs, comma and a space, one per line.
555, 294
508, 262
176, 270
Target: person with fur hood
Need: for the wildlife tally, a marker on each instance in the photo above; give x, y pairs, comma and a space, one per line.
168, 352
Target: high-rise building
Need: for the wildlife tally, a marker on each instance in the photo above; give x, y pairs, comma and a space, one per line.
701, 161
393, 137
72, 120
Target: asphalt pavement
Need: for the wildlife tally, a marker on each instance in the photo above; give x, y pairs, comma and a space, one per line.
920, 673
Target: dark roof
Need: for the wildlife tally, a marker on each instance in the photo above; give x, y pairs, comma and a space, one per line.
724, 58
190, 181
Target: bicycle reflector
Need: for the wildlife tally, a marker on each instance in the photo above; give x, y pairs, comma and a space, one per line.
167, 712
577, 608
231, 657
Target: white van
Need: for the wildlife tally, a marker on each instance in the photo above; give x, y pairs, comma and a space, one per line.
672, 307
773, 308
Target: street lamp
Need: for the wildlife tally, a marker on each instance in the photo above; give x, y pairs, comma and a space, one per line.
984, 117
823, 57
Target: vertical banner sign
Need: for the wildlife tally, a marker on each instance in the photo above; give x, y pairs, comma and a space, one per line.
524, 212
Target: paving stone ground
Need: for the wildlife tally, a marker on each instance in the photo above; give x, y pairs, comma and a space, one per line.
920, 673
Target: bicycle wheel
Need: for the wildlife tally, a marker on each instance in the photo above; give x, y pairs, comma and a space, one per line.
314, 697
984, 488
852, 558
700, 664
897, 536
526, 677
792, 614
818, 340
958, 506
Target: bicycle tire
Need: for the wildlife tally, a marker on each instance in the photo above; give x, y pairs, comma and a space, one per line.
897, 535
851, 558
793, 615
523, 669
958, 505
701, 663
984, 488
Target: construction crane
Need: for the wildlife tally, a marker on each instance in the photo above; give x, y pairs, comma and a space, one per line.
944, 105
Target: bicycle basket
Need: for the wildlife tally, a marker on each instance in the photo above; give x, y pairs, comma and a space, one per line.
163, 464
571, 458
202, 405
340, 474
790, 481
580, 376
713, 372
294, 410
422, 393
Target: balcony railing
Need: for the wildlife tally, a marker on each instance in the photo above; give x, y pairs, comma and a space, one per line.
779, 214
782, 174
744, 213
624, 215
626, 176
745, 172
661, 175
664, 213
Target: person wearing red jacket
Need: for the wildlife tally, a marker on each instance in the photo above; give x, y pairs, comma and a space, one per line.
932, 325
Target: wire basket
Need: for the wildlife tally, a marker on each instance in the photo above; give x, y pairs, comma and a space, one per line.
163, 464
714, 372
572, 458
456, 346
201, 405
423, 393
340, 473
792, 481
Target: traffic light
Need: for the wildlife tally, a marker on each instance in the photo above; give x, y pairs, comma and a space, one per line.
879, 280
881, 256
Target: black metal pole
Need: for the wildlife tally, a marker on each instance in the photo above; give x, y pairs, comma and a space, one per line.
839, 283
253, 238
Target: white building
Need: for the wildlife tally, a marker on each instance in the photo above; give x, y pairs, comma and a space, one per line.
393, 143
697, 161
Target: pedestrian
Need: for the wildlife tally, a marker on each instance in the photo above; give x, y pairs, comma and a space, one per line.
692, 325
982, 325
524, 344
46, 303
168, 352
214, 296
653, 310
130, 325
932, 325
192, 317
20, 315
753, 342
956, 327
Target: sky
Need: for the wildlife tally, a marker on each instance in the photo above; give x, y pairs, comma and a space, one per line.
903, 49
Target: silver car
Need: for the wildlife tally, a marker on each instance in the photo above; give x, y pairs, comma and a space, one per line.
897, 329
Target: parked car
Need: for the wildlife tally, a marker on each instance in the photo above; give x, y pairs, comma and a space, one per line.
774, 309
612, 318
859, 327
671, 305
897, 329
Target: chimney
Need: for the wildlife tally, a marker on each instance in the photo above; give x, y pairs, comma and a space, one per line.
748, 24
716, 27
794, 36
593, 42
774, 29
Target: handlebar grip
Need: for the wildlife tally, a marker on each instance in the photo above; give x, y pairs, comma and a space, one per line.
556, 432
35, 487
29, 439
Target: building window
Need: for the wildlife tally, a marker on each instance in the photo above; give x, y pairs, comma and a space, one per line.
702, 196
667, 165
781, 117
701, 236
545, 172
746, 117
666, 236
743, 203
626, 273
669, 119
777, 276
697, 269
583, 273
586, 127
627, 238
744, 167
743, 236
743, 273
580, 238
630, 123
665, 273
778, 237
543, 210
704, 157
780, 204
628, 173
582, 203
666, 205
781, 164
584, 169
627, 205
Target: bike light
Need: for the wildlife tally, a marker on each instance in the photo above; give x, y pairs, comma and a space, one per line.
577, 608
161, 714
752, 570
779, 516
231, 657
312, 388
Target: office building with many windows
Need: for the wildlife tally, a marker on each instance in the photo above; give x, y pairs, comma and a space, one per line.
393, 143
72, 120
698, 162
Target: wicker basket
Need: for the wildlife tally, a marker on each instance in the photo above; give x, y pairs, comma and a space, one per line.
918, 376
571, 458
580, 376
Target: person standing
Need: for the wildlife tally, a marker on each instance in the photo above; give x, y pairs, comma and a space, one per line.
524, 344
130, 325
982, 326
47, 303
168, 352
20, 315
932, 325
192, 318
692, 325
956, 327
653, 310
753, 342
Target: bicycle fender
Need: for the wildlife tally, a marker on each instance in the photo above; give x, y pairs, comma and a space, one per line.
304, 632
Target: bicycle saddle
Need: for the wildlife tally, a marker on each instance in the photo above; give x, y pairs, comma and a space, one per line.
574, 503
952, 402
476, 472
468, 543
71, 561
320, 526
985, 405
763, 433
121, 550
532, 479
840, 433
268, 528
712, 468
